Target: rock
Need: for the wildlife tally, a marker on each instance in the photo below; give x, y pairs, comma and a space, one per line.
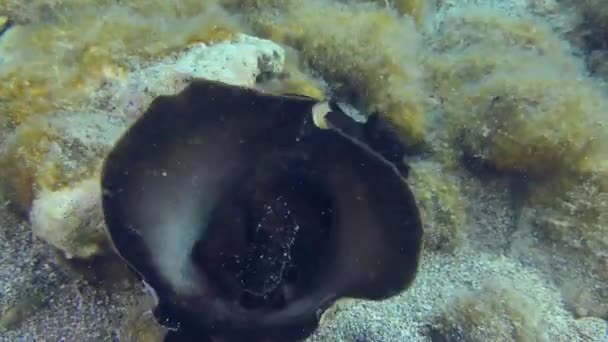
71, 219
238, 62
442, 206
496, 312
51, 152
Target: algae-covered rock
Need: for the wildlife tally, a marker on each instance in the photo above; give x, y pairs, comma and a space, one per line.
441, 204
498, 311
239, 61
515, 96
52, 152
517, 100
568, 234
534, 120
71, 219
64, 50
368, 52
578, 219
472, 42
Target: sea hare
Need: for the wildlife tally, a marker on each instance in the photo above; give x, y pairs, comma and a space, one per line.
249, 214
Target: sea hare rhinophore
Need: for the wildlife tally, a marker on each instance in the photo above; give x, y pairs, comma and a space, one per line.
247, 220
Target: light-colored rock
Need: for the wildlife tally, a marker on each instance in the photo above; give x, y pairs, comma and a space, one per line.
71, 219
238, 62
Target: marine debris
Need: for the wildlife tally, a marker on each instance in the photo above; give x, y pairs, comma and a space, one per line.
245, 218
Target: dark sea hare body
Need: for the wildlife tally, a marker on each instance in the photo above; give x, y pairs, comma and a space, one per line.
248, 221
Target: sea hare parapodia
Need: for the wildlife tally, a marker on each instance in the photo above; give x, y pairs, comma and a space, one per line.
247, 221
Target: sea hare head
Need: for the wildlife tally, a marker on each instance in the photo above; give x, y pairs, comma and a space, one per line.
248, 221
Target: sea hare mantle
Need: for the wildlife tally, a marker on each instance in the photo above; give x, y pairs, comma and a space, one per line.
247, 220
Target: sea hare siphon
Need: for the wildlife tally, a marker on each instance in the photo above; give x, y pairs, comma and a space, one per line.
247, 219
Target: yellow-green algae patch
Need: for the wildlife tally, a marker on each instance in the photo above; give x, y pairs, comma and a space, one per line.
417, 9
68, 50
499, 311
16, 312
442, 206
514, 94
364, 50
532, 120
574, 225
52, 152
